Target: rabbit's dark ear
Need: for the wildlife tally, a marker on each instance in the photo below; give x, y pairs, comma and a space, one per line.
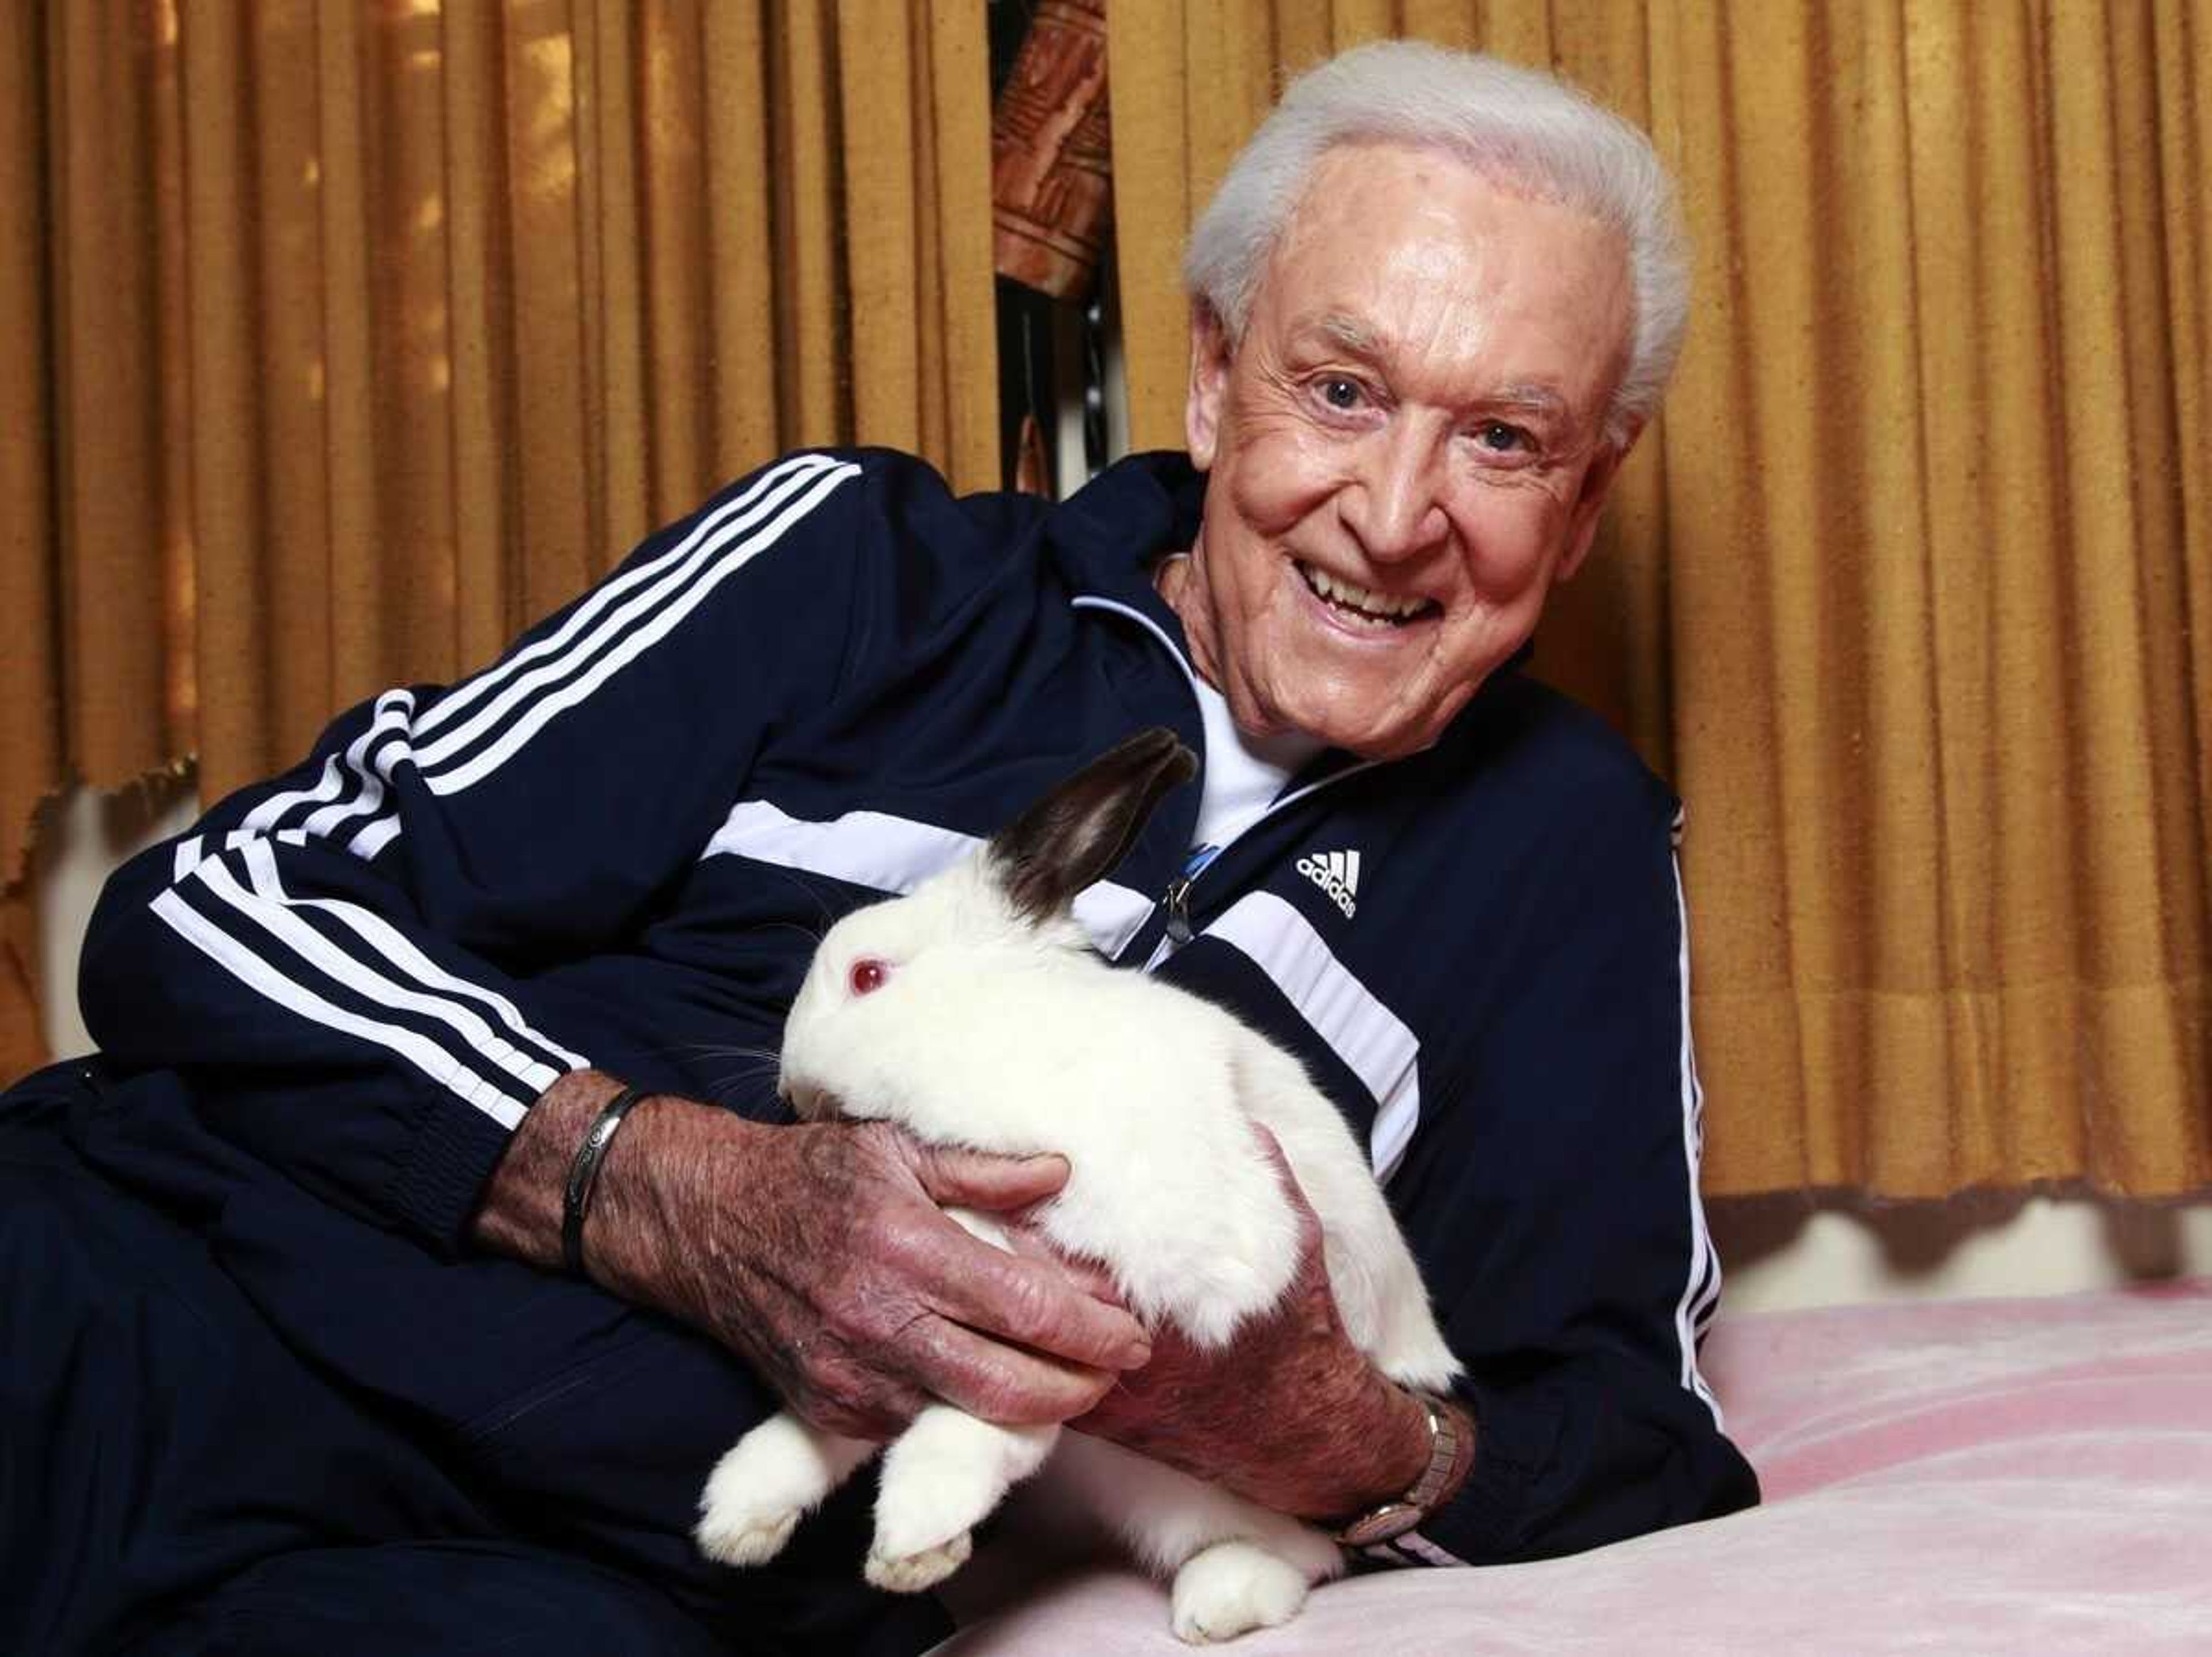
1082, 829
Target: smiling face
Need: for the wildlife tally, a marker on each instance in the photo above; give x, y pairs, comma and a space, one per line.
1405, 449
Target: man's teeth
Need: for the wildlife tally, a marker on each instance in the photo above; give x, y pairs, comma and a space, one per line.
1371, 606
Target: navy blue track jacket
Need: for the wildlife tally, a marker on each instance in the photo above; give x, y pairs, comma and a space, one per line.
616, 845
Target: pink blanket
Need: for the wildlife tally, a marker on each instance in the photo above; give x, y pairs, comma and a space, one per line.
2022, 1477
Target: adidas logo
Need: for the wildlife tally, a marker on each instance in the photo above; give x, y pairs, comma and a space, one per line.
1336, 873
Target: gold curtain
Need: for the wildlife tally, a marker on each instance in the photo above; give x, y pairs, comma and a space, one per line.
338, 342
1911, 589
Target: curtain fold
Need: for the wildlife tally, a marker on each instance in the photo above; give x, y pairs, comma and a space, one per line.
30, 727
344, 339
1910, 590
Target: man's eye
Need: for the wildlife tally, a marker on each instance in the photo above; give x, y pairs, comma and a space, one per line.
1340, 392
1502, 439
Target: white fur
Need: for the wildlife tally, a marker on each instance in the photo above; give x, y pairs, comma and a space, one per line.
998, 1035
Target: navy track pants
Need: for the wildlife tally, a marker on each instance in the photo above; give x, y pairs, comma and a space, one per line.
235, 1421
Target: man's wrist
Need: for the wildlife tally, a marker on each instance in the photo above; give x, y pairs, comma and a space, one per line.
1423, 1457
663, 1175
634, 1211
1450, 1436
521, 1211
1368, 1447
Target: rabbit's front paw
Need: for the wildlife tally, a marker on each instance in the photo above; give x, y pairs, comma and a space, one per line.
736, 1537
942, 1477
771, 1477
910, 1573
923, 1516
1231, 1588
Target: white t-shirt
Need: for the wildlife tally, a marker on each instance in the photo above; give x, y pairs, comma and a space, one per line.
1244, 773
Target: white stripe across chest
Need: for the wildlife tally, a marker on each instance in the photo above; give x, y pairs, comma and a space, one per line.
895, 855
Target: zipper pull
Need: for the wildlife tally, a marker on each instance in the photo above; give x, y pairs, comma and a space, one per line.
1178, 903
1178, 895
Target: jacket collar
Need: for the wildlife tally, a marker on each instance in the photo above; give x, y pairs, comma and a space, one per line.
1109, 533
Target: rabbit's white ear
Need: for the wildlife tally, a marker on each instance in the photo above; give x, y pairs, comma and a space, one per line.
1082, 829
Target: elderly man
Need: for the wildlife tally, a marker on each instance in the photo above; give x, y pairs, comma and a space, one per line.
440, 1069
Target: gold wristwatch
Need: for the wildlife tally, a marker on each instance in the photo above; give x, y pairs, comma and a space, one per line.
1394, 1518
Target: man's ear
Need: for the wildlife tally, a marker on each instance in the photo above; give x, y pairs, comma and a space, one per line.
1209, 385
1590, 502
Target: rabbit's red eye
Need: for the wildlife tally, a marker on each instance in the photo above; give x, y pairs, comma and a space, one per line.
868, 974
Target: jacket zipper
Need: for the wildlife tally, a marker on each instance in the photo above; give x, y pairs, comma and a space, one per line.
1178, 906
1176, 901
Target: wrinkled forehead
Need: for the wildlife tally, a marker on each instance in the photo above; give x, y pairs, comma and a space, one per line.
1340, 166
1361, 196
1396, 252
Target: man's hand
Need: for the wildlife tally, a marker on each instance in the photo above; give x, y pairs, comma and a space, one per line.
1288, 1413
818, 1254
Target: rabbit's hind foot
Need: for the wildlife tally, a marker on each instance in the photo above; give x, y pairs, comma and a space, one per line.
1231, 1588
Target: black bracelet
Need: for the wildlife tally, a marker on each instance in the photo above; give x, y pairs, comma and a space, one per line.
584, 1176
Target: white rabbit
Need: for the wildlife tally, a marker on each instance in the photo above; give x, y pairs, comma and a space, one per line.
972, 1013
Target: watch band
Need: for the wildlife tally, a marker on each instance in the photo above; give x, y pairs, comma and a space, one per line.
1403, 1514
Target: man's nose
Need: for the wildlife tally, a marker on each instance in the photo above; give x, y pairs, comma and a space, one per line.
1396, 507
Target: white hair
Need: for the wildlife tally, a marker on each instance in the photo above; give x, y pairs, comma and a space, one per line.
1528, 132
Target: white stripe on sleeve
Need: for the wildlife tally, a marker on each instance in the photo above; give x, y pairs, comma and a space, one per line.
1705, 1269
464, 695
263, 818
572, 647
542, 711
375, 838
392, 708
670, 577
426, 1055
400, 952
589, 647
317, 951
369, 764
